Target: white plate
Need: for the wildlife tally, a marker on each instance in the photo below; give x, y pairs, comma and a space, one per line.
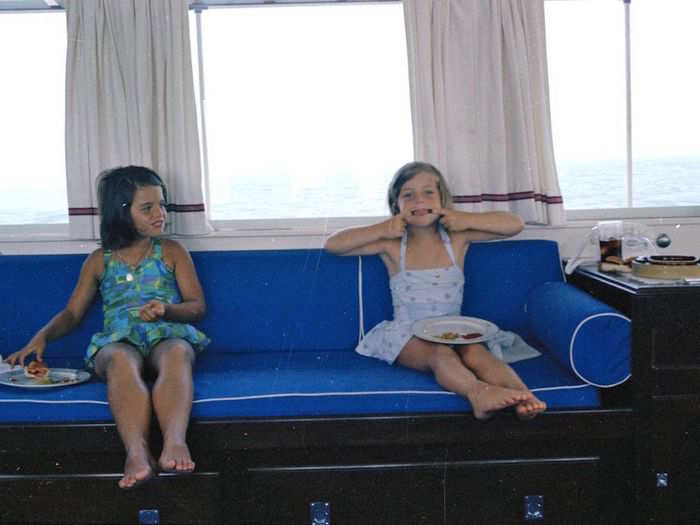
57, 377
435, 329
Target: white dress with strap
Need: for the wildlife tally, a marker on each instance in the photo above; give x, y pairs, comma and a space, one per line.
416, 294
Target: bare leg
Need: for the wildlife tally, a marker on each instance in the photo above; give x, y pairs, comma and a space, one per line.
172, 401
452, 375
492, 370
120, 364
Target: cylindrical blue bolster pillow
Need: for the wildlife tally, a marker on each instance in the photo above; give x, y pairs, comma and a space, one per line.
583, 334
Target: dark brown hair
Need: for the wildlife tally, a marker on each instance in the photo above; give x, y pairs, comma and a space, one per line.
115, 193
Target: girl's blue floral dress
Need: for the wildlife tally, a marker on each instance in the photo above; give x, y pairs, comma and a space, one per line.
122, 298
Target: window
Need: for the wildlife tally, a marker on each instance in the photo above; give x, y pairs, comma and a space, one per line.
665, 102
32, 100
307, 109
588, 93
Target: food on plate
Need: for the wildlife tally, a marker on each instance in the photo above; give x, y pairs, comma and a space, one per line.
451, 336
448, 335
37, 370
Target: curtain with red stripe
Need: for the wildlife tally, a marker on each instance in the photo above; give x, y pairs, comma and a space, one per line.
480, 103
130, 100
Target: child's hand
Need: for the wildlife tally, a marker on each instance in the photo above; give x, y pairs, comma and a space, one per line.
37, 346
152, 310
394, 227
449, 219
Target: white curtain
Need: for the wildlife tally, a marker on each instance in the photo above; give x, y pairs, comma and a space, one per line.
480, 103
130, 100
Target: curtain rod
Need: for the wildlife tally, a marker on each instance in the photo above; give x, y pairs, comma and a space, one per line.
198, 6
201, 6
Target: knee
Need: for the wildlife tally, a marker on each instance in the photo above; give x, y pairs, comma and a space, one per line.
179, 353
119, 359
442, 356
475, 355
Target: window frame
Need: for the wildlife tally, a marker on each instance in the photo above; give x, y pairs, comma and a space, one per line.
630, 212
35, 231
278, 227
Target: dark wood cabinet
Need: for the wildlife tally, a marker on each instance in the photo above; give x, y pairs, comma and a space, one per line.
455, 492
96, 498
563, 467
666, 385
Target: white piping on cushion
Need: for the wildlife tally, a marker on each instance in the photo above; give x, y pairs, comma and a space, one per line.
296, 394
564, 387
573, 340
49, 402
322, 394
367, 393
361, 335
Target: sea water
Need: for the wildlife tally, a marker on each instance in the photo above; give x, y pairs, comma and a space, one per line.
584, 185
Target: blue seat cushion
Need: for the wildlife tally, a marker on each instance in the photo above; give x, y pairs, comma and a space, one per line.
277, 384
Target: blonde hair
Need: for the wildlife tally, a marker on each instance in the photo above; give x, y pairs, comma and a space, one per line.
406, 173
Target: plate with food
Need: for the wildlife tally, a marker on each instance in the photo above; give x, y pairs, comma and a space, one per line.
454, 330
38, 375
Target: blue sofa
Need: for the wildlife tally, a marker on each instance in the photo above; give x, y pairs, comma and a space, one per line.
284, 324
287, 419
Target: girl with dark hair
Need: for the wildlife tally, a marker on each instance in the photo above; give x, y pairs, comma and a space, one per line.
423, 246
150, 291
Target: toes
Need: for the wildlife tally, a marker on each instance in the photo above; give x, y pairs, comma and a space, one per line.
130, 480
137, 469
176, 461
126, 482
168, 464
522, 409
530, 408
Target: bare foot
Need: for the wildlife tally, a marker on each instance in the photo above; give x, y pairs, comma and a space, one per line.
137, 469
176, 458
530, 408
486, 399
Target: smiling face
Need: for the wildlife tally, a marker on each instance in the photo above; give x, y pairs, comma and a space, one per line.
419, 199
148, 211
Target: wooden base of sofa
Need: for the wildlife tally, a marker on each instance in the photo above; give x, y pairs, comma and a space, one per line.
96, 498
573, 467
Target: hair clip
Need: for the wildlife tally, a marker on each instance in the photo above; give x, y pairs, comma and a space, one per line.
123, 204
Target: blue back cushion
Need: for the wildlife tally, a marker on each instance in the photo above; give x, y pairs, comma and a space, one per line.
277, 300
256, 300
34, 288
499, 275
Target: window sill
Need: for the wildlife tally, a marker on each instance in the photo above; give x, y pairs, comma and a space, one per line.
311, 234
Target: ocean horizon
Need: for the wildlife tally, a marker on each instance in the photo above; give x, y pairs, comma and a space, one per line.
669, 182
